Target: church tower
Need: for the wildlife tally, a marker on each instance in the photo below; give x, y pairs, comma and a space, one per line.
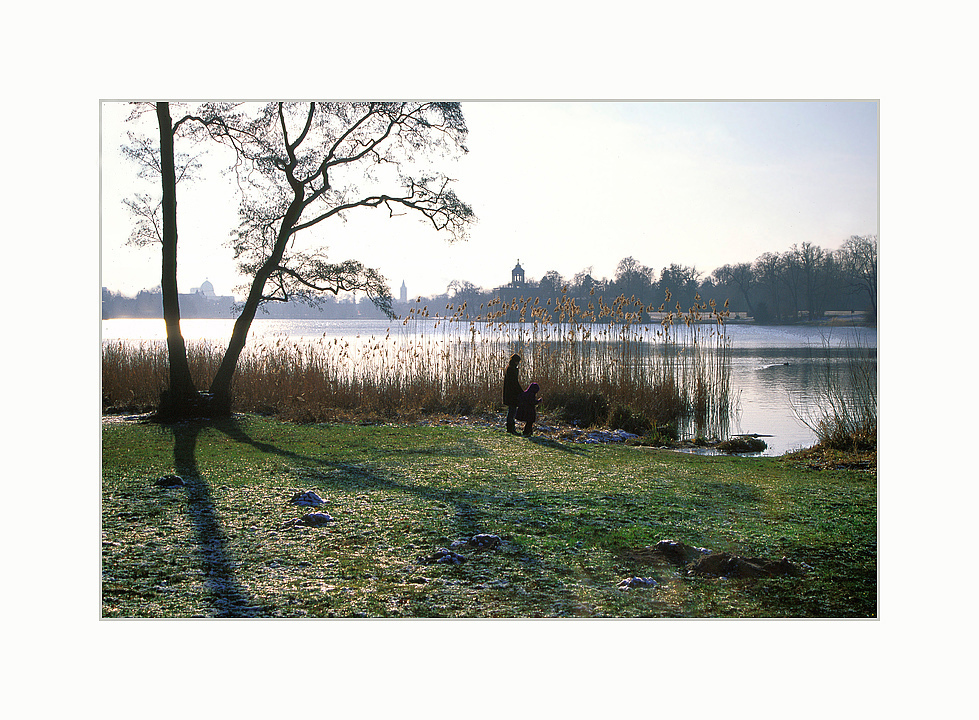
404, 292
517, 276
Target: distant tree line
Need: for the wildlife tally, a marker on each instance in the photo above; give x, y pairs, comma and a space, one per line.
802, 283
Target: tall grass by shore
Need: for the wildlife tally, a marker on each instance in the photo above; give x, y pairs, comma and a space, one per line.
600, 364
842, 411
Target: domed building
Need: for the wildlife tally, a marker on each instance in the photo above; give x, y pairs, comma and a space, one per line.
203, 302
206, 289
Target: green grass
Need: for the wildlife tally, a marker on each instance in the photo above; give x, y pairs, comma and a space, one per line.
573, 519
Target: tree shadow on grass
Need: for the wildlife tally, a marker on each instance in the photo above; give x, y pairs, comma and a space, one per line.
353, 476
229, 597
471, 508
555, 445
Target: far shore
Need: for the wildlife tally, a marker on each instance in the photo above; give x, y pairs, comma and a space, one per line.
831, 318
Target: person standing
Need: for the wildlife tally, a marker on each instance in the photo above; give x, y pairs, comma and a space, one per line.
512, 392
527, 409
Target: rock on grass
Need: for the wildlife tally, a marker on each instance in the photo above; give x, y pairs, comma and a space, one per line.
637, 582
307, 498
726, 565
169, 481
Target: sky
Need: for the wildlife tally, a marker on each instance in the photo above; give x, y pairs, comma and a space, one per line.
563, 186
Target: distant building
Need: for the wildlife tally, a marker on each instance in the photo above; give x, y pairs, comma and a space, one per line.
515, 289
404, 292
203, 302
517, 279
206, 289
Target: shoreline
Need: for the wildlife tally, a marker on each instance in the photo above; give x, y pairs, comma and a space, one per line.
550, 432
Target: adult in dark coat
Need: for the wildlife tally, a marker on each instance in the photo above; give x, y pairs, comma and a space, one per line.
512, 392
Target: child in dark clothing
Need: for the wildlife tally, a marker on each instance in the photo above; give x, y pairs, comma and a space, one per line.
527, 408
512, 392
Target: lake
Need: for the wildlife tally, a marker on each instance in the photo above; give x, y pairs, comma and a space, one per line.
772, 367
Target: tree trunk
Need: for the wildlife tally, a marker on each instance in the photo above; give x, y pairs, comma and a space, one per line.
181, 394
744, 285
221, 385
870, 280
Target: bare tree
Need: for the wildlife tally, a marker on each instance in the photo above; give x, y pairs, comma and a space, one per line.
740, 275
181, 382
299, 165
858, 256
767, 268
810, 260
462, 290
147, 209
156, 221
681, 282
583, 283
307, 163
790, 279
634, 278
551, 283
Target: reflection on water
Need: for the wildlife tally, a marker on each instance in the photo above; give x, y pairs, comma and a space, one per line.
767, 340
769, 383
219, 330
151, 329
770, 366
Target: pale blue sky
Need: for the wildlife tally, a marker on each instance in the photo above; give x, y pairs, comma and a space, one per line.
565, 185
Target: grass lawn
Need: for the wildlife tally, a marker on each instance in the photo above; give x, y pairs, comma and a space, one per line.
575, 520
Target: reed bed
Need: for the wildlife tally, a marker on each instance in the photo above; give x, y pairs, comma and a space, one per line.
648, 370
842, 409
